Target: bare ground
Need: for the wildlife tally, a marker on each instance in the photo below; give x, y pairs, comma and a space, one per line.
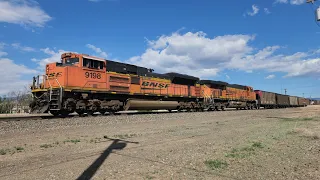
257, 144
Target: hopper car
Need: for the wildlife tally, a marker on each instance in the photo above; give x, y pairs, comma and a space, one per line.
87, 84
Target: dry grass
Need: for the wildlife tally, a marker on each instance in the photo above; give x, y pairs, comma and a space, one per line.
306, 133
300, 119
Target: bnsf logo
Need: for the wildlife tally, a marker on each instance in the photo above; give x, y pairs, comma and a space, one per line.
153, 84
54, 74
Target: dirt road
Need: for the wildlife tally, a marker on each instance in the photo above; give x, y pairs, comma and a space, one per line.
256, 144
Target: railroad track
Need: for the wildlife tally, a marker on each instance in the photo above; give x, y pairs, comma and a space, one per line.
49, 116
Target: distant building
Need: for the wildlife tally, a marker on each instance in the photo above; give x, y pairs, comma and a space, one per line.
20, 109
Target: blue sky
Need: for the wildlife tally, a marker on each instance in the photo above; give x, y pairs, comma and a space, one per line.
267, 44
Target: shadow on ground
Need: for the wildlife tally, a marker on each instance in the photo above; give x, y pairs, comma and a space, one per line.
117, 144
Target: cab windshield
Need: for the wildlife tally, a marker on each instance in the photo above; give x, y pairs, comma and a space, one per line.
71, 61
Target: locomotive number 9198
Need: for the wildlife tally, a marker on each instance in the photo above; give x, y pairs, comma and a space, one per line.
93, 75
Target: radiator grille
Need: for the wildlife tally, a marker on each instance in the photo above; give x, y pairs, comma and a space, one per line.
119, 79
119, 88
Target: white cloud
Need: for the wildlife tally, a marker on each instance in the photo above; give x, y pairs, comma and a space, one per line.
2, 53
24, 12
255, 10
297, 2
2, 45
202, 56
281, 1
297, 64
293, 2
22, 48
271, 76
48, 51
266, 10
192, 53
97, 50
228, 77
54, 56
12, 76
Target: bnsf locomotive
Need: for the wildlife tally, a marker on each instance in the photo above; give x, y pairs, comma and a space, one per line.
86, 84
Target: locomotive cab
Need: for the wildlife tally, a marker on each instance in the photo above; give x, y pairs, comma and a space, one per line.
73, 71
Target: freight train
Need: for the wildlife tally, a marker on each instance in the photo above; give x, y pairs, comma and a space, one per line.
87, 84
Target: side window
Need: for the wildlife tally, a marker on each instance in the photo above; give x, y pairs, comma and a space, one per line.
92, 64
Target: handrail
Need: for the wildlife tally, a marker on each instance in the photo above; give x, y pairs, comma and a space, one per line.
47, 79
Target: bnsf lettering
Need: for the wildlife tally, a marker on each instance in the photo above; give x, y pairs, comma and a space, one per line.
145, 83
54, 74
163, 85
153, 84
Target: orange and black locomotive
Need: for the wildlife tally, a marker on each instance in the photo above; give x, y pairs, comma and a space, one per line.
86, 84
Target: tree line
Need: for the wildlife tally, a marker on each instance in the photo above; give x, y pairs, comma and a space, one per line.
15, 102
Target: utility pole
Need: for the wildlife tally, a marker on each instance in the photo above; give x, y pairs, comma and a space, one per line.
317, 13
285, 91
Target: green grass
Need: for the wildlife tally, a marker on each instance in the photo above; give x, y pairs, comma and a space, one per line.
18, 148
124, 136
216, 164
75, 141
235, 155
46, 146
4, 151
149, 177
239, 153
257, 145
247, 149
244, 151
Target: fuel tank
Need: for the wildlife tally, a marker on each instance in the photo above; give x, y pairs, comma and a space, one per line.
151, 105
236, 104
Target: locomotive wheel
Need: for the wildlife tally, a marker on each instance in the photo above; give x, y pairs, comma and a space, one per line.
102, 112
80, 112
111, 113
64, 113
55, 113
222, 108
